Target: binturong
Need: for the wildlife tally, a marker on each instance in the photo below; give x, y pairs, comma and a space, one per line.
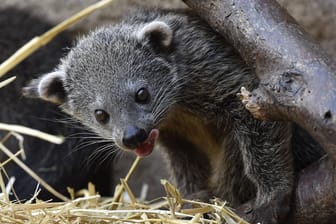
165, 80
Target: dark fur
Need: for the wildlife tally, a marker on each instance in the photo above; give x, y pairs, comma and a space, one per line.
213, 145
59, 165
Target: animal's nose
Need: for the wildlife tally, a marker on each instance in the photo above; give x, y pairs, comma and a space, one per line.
133, 136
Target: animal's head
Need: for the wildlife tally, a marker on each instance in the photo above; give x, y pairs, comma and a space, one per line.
119, 81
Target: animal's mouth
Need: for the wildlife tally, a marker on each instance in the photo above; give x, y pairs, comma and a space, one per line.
146, 148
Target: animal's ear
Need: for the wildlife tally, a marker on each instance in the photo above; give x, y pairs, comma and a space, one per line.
49, 87
157, 33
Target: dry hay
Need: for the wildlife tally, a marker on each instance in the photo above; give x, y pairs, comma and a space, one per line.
87, 206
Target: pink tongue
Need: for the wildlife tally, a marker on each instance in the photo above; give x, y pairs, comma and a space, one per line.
146, 148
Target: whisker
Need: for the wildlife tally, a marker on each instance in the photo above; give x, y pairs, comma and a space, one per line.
110, 148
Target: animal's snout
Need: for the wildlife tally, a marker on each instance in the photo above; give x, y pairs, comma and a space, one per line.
133, 136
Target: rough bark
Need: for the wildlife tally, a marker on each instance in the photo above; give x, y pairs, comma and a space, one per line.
315, 195
297, 80
297, 83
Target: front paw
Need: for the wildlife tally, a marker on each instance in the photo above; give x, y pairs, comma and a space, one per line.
200, 196
275, 211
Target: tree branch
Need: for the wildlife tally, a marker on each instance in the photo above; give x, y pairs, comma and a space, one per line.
315, 195
297, 80
297, 83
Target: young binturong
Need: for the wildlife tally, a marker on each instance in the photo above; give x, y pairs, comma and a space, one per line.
166, 80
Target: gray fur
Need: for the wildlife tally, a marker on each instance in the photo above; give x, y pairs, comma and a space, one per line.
193, 82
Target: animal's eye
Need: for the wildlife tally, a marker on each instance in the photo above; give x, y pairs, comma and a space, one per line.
102, 116
142, 96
